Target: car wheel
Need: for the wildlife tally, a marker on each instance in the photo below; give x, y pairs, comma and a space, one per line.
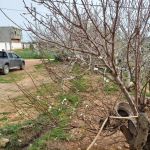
6, 69
22, 66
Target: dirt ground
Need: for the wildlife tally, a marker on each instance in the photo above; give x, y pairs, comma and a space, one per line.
11, 89
89, 107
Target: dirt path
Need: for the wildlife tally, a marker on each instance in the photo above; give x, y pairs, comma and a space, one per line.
11, 90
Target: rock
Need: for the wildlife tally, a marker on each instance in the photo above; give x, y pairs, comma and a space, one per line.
119, 148
3, 142
126, 145
19, 140
78, 123
76, 133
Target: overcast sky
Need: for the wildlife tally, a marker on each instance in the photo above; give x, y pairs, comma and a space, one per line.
13, 8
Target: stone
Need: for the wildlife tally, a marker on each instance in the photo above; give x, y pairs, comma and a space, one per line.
76, 133
119, 148
3, 142
126, 145
19, 140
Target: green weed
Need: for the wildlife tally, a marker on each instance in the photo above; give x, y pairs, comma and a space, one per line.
28, 54
110, 88
3, 119
39, 66
70, 97
48, 88
76, 69
61, 112
11, 77
33, 54
80, 84
57, 133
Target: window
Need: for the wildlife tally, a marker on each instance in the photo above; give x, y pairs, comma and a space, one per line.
3, 55
10, 55
14, 55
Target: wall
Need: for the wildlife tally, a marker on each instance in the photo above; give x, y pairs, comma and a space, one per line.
16, 34
5, 34
16, 46
25, 45
6, 46
10, 33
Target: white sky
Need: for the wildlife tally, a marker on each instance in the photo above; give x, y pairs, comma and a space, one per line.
13, 8
17, 7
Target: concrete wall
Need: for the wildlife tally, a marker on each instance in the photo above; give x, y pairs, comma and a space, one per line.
6, 46
25, 45
5, 34
8, 34
16, 46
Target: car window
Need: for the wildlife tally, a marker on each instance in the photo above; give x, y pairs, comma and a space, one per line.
14, 55
10, 55
3, 55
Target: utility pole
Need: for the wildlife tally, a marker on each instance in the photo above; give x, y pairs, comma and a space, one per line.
10, 38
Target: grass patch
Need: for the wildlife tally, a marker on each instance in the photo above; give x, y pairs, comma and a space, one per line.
148, 94
3, 119
5, 113
54, 134
11, 77
33, 54
39, 66
48, 89
10, 130
79, 84
72, 98
24, 132
110, 88
59, 134
64, 105
76, 70
62, 111
28, 54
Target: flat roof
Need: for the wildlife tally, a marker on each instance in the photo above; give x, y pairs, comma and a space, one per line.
9, 27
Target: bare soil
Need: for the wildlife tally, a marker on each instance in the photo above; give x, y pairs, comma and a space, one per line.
11, 90
92, 105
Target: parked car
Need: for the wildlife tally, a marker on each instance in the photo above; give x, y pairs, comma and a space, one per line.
9, 60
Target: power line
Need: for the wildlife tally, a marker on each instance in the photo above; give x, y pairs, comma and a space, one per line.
11, 9
11, 19
65, 2
17, 10
98, 5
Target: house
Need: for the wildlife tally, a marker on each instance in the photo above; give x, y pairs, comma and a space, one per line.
10, 38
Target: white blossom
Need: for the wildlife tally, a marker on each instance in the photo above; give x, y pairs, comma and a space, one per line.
86, 106
95, 69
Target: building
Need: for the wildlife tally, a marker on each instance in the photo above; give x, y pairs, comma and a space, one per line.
10, 38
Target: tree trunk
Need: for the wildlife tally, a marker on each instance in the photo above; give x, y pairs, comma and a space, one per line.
137, 134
